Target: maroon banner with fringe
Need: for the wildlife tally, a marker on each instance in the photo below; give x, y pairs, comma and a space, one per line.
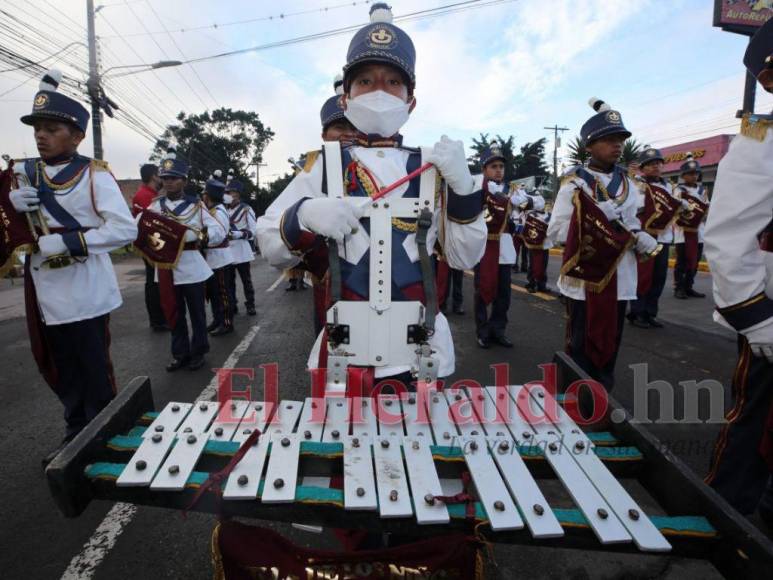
245, 552
660, 208
160, 239
594, 247
690, 219
15, 232
535, 231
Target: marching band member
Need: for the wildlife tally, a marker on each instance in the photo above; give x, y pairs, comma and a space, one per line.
144, 196
521, 251
530, 208
241, 236
379, 81
182, 288
70, 284
738, 249
492, 274
688, 236
598, 275
657, 214
219, 259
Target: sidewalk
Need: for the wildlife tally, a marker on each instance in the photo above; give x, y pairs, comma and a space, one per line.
130, 271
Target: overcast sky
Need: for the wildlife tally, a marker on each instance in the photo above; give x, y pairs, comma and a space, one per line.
508, 69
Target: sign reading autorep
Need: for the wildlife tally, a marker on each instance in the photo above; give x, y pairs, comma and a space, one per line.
743, 16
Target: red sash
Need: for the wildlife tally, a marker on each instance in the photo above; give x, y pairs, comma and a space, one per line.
488, 272
644, 280
660, 209
594, 247
168, 296
535, 231
15, 233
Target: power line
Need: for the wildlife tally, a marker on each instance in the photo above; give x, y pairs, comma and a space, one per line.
280, 16
419, 15
180, 50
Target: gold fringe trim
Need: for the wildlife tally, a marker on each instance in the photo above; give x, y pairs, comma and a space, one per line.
162, 265
216, 555
9, 263
100, 165
311, 159
595, 287
756, 129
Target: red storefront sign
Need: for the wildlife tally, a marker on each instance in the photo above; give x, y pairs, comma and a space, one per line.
742, 16
707, 152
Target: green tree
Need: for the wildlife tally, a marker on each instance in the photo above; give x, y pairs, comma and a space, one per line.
578, 154
221, 139
508, 152
631, 150
531, 160
267, 195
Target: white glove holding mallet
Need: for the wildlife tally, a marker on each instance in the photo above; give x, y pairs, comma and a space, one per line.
331, 217
449, 158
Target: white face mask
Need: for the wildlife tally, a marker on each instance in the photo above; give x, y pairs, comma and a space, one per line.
227, 199
377, 113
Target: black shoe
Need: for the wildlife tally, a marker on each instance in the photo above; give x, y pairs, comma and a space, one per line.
177, 364
531, 288
544, 288
693, 294
639, 321
251, 311
444, 309
503, 341
459, 310
196, 363
212, 326
291, 286
524, 269
50, 457
680, 294
160, 328
483, 343
302, 285
654, 322
221, 330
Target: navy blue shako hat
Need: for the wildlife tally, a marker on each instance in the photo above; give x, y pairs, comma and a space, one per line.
54, 106
381, 42
172, 166
332, 110
605, 122
490, 154
690, 165
649, 155
214, 187
759, 54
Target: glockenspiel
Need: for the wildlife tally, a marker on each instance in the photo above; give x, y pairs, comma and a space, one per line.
507, 460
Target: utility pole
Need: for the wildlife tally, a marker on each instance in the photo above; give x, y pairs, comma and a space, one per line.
556, 145
93, 83
258, 163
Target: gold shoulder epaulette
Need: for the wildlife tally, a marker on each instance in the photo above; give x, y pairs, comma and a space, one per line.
756, 126
100, 165
311, 158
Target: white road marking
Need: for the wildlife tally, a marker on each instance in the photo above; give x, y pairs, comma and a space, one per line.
275, 284
84, 565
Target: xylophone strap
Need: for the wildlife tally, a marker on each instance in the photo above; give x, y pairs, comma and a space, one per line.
218, 477
463, 496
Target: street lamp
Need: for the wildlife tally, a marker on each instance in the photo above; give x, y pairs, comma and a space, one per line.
149, 66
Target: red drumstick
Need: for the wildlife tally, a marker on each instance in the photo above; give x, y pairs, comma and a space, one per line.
382, 192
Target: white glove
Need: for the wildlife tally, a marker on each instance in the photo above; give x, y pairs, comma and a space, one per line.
610, 209
519, 198
52, 245
448, 156
330, 217
761, 341
25, 198
645, 243
235, 235
685, 204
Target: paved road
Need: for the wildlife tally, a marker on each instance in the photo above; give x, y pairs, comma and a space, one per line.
38, 543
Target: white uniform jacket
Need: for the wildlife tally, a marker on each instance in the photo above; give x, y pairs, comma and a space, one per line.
87, 288
682, 191
219, 252
242, 219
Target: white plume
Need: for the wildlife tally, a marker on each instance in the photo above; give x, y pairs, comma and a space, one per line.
51, 80
338, 84
171, 153
380, 12
217, 174
689, 156
598, 105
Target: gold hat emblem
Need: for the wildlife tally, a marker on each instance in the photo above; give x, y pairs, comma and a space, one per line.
381, 36
40, 101
613, 117
650, 152
155, 241
168, 164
